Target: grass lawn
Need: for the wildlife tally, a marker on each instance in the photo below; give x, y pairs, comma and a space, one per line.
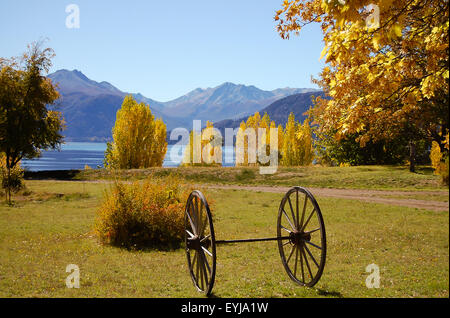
51, 226
360, 177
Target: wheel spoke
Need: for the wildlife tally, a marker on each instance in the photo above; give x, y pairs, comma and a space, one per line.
202, 221
190, 234
194, 259
292, 213
295, 264
312, 244
193, 218
285, 229
206, 251
200, 269
290, 255
304, 210
196, 216
310, 254
312, 231
287, 217
301, 264
206, 263
307, 221
307, 264
197, 270
203, 269
205, 238
191, 222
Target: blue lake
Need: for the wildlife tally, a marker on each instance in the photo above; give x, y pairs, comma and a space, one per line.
75, 155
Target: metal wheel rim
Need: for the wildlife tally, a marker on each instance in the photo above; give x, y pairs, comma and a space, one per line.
297, 219
202, 264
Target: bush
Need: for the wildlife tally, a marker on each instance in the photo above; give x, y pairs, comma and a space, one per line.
436, 157
15, 182
143, 214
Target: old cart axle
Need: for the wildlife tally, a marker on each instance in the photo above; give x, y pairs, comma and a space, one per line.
300, 235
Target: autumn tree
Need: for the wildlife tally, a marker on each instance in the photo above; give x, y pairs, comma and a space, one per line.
27, 125
139, 140
253, 140
386, 66
297, 146
204, 148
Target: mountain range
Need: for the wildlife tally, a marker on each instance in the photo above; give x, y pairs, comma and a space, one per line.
278, 111
90, 107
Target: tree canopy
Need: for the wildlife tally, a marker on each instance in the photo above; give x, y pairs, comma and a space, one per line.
139, 140
386, 66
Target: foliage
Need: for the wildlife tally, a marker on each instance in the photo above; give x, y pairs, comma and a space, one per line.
385, 77
139, 139
440, 163
436, 157
27, 126
348, 150
15, 180
143, 214
295, 142
208, 148
297, 147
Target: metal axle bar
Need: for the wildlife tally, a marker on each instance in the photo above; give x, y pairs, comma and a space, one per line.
253, 240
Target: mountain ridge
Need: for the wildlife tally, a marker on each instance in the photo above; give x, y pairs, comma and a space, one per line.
90, 107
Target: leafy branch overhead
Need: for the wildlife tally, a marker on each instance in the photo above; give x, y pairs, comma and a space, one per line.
383, 77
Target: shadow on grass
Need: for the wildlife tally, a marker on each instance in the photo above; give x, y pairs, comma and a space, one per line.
327, 293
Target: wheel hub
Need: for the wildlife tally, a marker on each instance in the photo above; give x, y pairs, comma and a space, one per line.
298, 237
195, 243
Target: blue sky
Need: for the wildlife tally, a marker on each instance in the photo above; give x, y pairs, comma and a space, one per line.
165, 49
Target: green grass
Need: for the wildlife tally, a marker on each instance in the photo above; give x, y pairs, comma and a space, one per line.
360, 177
51, 228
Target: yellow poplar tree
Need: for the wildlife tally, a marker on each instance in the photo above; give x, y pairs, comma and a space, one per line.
210, 150
297, 143
255, 123
139, 141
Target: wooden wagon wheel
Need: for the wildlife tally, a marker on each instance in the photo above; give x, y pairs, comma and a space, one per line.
303, 255
200, 242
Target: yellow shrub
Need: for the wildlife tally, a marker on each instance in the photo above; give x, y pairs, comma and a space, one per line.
436, 157
15, 181
143, 214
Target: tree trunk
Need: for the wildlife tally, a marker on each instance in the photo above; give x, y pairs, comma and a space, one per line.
412, 156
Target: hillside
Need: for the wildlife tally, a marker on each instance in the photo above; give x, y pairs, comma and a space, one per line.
90, 107
278, 111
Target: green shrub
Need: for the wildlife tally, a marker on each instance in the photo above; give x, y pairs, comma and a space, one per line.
143, 214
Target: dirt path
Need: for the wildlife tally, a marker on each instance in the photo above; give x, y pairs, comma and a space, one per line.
376, 196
